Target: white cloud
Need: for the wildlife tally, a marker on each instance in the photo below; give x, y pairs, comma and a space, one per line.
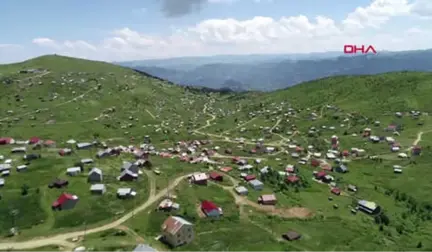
422, 8
294, 34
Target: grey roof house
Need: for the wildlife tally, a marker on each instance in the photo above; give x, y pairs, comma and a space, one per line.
130, 166
256, 184
95, 175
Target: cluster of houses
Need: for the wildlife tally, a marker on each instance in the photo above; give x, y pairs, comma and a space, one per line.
176, 230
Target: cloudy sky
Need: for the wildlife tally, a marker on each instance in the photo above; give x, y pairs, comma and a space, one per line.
142, 29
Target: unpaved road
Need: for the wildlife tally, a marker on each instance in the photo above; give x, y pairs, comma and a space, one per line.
61, 238
292, 212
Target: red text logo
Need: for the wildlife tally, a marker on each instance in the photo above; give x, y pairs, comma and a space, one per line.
354, 49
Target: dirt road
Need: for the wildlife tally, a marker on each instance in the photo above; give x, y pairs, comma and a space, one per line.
292, 212
61, 238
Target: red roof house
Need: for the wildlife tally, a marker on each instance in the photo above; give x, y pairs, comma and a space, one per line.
315, 162
236, 159
290, 169
210, 209
226, 169
416, 150
250, 177
335, 191
5, 140
49, 143
292, 179
216, 176
345, 153
326, 167
34, 140
65, 152
320, 175
65, 201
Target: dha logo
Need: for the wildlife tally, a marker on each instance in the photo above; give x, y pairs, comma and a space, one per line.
353, 49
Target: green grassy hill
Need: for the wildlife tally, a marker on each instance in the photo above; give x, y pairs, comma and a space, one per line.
400, 91
68, 98
77, 95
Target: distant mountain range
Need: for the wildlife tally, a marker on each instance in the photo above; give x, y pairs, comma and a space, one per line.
272, 72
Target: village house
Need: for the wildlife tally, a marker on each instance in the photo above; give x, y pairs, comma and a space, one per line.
5, 173
249, 177
127, 175
6, 140
49, 143
342, 168
130, 167
416, 150
97, 189
2, 182
124, 193
226, 169
144, 248
336, 191
241, 190
199, 179
291, 236
168, 205
86, 161
65, 201
58, 183
34, 140
210, 209
95, 175
368, 207
241, 162
267, 199
73, 171
31, 157
326, 167
19, 150
264, 170
177, 231
256, 184
245, 167
315, 162
352, 188
216, 176
21, 168
83, 146
103, 153
397, 169
330, 155
5, 167
292, 179
65, 152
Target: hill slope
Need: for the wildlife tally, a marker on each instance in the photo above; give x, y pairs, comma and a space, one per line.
267, 76
78, 93
66, 98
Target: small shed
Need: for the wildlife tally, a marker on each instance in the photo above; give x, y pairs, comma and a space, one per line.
291, 236
241, 190
267, 199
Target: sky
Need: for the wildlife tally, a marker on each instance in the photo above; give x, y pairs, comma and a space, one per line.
111, 30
